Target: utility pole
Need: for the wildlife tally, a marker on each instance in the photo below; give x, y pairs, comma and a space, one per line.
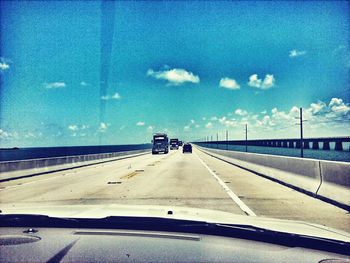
226, 139
246, 137
217, 140
301, 132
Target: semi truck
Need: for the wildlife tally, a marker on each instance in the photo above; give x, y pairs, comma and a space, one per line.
174, 144
160, 143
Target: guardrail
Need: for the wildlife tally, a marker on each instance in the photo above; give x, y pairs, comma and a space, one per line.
327, 180
11, 170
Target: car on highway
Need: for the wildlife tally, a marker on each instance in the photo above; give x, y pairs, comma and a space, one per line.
187, 148
174, 146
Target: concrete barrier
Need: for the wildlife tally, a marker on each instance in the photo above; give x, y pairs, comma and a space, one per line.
325, 179
335, 181
11, 170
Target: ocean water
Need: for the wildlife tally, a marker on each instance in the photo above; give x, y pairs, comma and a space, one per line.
44, 152
332, 155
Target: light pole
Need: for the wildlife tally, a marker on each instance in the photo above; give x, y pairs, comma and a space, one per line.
226, 139
301, 132
217, 140
246, 137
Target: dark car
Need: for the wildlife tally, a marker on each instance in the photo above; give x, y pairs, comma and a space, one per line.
187, 148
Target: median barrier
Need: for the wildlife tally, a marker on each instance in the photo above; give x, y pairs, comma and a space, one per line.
11, 170
279, 168
335, 181
324, 179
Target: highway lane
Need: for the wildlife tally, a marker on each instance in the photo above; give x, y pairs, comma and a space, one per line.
175, 179
172, 179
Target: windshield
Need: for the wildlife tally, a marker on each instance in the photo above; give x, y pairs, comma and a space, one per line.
260, 90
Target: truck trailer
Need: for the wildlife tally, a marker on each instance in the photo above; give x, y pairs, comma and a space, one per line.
160, 143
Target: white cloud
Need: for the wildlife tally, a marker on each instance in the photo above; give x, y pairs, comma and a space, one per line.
337, 105
295, 111
187, 128
240, 112
54, 85
335, 102
103, 127
4, 135
296, 53
116, 96
4, 66
193, 121
122, 127
29, 135
228, 123
317, 108
73, 127
222, 119
332, 117
268, 82
266, 120
83, 83
281, 115
204, 118
229, 83
214, 118
209, 125
174, 76
140, 123
150, 128
254, 81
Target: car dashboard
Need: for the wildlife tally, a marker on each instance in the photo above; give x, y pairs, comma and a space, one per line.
43, 244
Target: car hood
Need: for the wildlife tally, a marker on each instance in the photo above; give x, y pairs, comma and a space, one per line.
181, 213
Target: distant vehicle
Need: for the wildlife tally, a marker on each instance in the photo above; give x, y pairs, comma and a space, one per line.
180, 143
187, 148
160, 143
174, 144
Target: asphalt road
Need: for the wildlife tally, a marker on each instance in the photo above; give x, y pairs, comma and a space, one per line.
175, 179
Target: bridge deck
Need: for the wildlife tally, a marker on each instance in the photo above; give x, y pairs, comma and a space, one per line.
175, 179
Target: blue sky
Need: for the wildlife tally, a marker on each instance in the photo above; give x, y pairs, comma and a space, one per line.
192, 69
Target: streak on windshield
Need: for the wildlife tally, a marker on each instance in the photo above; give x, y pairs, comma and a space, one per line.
106, 44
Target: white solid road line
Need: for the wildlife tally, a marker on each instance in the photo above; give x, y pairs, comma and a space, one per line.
231, 194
